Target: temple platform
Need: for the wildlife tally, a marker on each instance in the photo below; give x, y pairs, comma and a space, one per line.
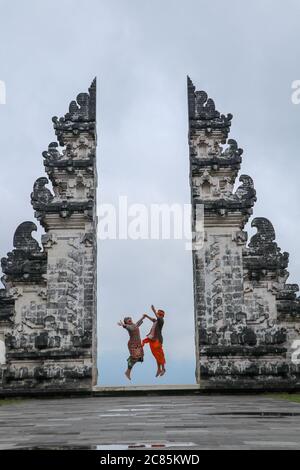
146, 389
151, 422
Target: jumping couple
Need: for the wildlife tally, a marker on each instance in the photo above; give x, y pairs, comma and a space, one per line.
154, 338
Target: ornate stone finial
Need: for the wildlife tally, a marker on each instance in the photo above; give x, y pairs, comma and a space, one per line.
246, 190
23, 239
265, 235
52, 154
263, 253
203, 113
83, 109
41, 195
232, 150
26, 263
205, 107
81, 115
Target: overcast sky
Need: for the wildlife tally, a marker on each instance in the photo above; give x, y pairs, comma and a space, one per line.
244, 54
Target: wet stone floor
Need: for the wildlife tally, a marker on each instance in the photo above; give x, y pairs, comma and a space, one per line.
151, 422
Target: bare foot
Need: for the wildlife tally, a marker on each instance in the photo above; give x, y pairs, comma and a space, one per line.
127, 373
162, 372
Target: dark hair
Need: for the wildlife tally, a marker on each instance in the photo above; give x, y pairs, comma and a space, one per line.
126, 319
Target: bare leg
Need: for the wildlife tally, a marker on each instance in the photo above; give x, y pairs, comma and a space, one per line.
163, 370
158, 370
130, 363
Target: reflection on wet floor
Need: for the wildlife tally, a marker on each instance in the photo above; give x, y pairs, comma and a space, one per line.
150, 424
255, 414
141, 445
129, 446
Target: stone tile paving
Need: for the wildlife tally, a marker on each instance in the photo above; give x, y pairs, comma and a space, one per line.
178, 422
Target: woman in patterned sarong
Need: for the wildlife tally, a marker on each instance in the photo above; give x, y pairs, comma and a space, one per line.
134, 344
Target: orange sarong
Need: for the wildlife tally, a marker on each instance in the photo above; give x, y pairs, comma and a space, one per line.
156, 349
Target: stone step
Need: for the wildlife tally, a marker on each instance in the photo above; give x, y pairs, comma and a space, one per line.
146, 389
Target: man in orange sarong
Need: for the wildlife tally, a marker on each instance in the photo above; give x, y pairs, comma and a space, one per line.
155, 340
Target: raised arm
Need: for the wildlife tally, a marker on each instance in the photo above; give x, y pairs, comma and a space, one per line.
149, 318
140, 321
154, 310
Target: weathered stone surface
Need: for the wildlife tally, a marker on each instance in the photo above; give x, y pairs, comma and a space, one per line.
26, 263
246, 316
48, 306
7, 305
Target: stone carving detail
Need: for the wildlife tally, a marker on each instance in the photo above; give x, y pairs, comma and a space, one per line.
205, 107
206, 153
80, 118
263, 252
82, 149
7, 306
264, 261
240, 237
25, 263
265, 236
202, 109
232, 151
88, 239
74, 154
52, 154
48, 306
41, 195
246, 191
49, 239
246, 315
23, 239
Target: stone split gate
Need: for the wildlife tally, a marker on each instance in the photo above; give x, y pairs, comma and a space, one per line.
247, 318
